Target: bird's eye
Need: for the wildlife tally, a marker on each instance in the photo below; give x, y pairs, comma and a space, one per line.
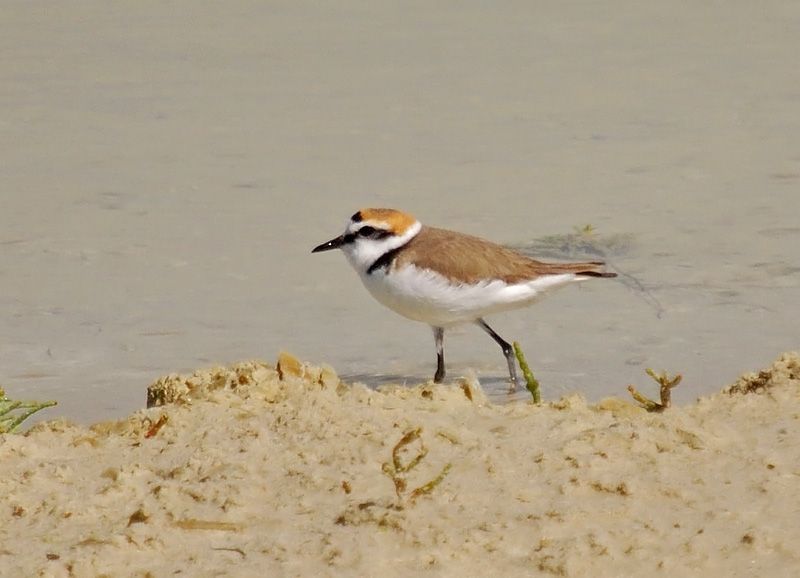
366, 231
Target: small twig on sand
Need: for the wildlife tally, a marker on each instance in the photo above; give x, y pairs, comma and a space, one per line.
428, 488
398, 471
157, 425
665, 384
530, 381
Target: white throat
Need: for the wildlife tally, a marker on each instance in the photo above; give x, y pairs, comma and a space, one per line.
362, 253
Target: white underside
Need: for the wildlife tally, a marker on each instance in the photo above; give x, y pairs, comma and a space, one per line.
424, 295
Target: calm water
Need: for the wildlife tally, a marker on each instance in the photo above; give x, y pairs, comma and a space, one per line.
166, 170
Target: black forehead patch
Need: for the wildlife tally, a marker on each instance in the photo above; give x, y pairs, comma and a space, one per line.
356, 218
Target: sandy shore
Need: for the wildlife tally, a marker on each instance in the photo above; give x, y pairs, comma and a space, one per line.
254, 470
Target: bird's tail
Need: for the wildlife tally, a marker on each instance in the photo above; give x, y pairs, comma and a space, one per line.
589, 269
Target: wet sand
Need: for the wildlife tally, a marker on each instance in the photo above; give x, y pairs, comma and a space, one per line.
256, 470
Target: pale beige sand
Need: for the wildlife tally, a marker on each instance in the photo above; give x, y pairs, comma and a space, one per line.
262, 476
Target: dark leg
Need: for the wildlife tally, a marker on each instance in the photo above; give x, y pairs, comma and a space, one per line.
438, 335
508, 351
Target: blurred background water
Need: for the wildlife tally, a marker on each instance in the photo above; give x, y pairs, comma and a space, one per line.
166, 168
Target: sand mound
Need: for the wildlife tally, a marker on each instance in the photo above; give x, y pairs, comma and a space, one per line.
258, 470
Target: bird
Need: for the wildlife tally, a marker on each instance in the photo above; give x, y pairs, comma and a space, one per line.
445, 278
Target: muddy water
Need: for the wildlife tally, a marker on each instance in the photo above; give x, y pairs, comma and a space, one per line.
166, 170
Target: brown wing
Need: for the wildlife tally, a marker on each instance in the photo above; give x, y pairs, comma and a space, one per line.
470, 259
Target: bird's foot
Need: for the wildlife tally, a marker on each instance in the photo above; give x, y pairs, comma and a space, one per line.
512, 387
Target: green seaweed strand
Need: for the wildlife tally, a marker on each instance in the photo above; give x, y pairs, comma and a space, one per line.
9, 422
531, 383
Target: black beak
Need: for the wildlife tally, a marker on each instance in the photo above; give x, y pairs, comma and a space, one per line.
332, 244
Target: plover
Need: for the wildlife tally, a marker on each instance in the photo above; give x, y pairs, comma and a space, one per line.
444, 278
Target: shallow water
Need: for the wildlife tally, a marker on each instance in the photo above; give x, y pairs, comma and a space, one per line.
166, 170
